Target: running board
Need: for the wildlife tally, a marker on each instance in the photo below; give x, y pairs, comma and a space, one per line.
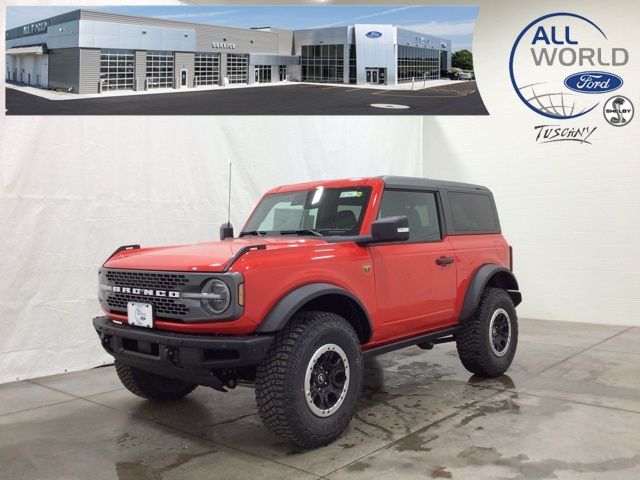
431, 338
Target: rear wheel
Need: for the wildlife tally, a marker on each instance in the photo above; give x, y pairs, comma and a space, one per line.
487, 341
151, 386
308, 384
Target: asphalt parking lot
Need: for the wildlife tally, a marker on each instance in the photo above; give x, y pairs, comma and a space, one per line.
299, 99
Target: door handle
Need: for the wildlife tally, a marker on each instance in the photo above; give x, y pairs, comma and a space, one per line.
442, 261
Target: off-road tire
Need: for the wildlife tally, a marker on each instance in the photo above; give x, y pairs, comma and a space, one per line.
280, 379
473, 338
150, 386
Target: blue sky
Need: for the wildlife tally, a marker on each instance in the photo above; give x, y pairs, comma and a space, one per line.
452, 22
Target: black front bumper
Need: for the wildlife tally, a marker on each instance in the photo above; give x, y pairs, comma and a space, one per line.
201, 359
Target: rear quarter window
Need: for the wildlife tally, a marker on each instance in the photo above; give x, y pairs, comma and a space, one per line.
472, 213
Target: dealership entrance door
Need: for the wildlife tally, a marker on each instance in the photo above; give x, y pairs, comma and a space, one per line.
262, 74
376, 76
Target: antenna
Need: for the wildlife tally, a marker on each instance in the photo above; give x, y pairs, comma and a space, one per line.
226, 230
229, 199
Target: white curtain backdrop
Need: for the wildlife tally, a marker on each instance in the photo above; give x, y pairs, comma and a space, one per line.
73, 189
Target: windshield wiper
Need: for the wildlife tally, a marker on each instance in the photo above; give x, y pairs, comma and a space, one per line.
301, 231
259, 233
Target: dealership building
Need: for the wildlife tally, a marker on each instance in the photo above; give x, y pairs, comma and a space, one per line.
85, 51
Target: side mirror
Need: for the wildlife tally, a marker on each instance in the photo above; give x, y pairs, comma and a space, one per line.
226, 231
390, 229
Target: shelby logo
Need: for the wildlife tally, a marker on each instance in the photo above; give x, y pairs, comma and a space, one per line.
550, 61
618, 111
373, 34
556, 133
145, 291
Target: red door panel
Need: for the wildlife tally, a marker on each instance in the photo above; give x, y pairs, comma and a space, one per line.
414, 293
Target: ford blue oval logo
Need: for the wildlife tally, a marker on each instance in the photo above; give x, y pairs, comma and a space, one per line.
374, 34
593, 82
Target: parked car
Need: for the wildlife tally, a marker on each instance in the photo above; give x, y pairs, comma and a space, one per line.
466, 75
322, 275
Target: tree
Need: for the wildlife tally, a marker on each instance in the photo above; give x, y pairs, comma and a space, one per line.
462, 59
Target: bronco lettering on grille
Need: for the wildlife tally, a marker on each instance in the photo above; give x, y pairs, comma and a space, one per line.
146, 292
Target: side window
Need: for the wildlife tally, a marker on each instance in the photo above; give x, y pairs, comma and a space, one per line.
419, 207
472, 212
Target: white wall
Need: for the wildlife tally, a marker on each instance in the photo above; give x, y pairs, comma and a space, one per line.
73, 189
571, 211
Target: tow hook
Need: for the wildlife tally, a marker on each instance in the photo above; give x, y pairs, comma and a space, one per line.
172, 356
229, 378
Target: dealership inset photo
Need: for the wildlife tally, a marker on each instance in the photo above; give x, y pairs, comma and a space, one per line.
215, 60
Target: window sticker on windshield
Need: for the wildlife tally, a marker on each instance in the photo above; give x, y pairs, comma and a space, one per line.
353, 194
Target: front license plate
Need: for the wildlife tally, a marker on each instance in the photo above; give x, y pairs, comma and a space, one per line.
140, 314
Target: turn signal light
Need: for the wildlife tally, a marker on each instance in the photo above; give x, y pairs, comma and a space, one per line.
241, 294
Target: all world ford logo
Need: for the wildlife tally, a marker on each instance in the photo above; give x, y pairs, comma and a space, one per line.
374, 34
593, 82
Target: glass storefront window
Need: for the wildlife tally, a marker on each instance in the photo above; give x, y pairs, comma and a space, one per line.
352, 64
323, 63
417, 63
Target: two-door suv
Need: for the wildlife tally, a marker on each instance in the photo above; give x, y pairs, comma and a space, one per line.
322, 274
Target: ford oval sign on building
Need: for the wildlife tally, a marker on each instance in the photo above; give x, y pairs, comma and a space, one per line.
593, 82
374, 34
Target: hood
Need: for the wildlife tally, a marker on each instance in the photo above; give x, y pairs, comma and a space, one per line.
199, 257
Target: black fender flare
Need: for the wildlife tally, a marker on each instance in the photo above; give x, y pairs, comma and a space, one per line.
293, 301
503, 277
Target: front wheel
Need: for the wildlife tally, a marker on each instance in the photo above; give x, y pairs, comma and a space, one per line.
151, 386
487, 341
308, 384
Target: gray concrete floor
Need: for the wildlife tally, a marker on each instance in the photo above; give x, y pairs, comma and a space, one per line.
569, 408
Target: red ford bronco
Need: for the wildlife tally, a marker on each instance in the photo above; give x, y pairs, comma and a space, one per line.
321, 275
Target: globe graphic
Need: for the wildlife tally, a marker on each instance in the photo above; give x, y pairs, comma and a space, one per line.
554, 104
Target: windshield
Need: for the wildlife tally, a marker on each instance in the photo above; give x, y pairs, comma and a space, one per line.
319, 211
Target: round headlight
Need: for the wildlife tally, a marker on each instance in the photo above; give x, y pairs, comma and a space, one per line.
218, 297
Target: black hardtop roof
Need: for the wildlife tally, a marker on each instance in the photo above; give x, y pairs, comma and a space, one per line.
417, 182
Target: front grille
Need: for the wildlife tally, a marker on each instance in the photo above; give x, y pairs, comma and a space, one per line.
162, 305
183, 308
158, 280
